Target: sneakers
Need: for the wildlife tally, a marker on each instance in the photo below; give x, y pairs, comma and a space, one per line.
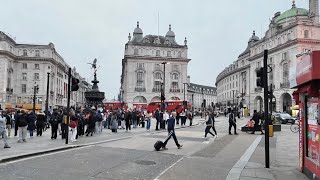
180, 146
7, 146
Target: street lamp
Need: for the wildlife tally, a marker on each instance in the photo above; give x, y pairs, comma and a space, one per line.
35, 89
163, 86
47, 98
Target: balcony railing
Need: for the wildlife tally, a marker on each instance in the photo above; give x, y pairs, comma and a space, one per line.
175, 90
139, 89
257, 89
156, 90
9, 90
284, 85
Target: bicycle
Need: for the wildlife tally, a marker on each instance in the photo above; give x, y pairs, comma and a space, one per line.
295, 128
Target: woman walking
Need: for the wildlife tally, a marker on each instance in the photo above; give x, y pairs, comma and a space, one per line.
114, 122
40, 123
148, 119
73, 126
209, 125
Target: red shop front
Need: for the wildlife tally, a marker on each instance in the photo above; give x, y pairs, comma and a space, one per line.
306, 79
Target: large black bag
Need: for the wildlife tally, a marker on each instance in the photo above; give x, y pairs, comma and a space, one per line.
159, 144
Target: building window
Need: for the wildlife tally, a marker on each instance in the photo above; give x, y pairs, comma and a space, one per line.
158, 76
306, 34
140, 65
36, 66
37, 53
179, 54
25, 52
285, 77
24, 65
24, 88
157, 86
36, 76
175, 76
136, 52
139, 79
174, 87
158, 53
284, 56
24, 76
168, 53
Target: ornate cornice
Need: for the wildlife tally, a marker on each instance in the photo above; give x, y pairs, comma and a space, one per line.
151, 58
219, 78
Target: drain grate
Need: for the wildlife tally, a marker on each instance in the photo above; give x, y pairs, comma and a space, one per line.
144, 162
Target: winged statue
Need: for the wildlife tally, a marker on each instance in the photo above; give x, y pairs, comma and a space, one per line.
94, 64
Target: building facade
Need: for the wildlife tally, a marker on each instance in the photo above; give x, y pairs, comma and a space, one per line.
290, 33
25, 66
197, 94
151, 63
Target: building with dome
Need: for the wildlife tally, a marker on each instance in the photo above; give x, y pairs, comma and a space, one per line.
151, 61
290, 33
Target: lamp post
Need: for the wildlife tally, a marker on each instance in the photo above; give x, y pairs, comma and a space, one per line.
35, 88
47, 98
164, 85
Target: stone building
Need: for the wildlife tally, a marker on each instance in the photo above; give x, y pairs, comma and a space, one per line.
290, 33
149, 61
198, 93
24, 66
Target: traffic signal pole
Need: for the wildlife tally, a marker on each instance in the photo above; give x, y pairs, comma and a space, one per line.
266, 112
68, 105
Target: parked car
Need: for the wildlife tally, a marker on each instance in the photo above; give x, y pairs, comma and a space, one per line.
284, 118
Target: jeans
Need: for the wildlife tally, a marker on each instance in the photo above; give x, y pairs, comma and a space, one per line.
128, 126
9, 129
31, 133
54, 131
148, 124
208, 131
135, 123
22, 133
4, 137
234, 126
73, 134
99, 127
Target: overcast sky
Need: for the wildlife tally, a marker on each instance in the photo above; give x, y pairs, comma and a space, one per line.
81, 30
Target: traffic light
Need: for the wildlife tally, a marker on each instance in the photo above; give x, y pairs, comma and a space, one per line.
260, 76
204, 103
74, 84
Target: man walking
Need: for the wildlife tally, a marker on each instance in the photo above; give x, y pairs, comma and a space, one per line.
171, 132
54, 121
22, 126
8, 122
256, 119
232, 122
3, 131
157, 116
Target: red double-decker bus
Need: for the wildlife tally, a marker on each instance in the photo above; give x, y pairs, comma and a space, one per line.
114, 105
170, 105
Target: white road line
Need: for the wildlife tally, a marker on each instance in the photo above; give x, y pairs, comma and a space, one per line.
235, 172
157, 178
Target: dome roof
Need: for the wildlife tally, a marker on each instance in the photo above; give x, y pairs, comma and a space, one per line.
293, 12
170, 33
254, 38
137, 30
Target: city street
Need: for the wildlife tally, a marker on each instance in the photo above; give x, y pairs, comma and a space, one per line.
132, 156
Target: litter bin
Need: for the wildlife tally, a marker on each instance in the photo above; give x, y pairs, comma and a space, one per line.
270, 130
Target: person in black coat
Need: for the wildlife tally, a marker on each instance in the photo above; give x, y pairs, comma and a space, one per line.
91, 123
256, 119
40, 123
31, 119
54, 121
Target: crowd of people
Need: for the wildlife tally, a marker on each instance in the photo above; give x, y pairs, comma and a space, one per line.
85, 122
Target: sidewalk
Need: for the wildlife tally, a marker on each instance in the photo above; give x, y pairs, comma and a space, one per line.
284, 158
44, 144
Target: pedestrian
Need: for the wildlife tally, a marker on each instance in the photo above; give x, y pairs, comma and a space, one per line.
91, 122
99, 120
15, 123
73, 124
80, 129
114, 122
157, 116
135, 118
213, 122
209, 123
256, 118
148, 120
8, 122
41, 118
64, 127
165, 118
54, 121
31, 123
190, 117
22, 126
232, 122
183, 117
128, 119
3, 131
171, 132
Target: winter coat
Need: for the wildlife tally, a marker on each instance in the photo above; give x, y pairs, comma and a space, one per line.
2, 123
114, 122
22, 120
171, 123
31, 122
40, 120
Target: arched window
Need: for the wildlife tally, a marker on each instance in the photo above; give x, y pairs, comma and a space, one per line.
306, 34
158, 53
139, 79
25, 52
136, 51
158, 76
175, 76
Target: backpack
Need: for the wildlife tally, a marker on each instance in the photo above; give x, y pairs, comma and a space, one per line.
23, 120
99, 117
54, 120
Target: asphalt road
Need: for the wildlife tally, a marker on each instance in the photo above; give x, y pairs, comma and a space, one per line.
135, 158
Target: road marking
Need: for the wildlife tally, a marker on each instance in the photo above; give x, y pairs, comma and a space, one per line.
157, 178
235, 172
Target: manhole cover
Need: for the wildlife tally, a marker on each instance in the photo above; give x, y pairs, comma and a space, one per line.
143, 162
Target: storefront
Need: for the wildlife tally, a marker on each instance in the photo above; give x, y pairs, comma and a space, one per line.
306, 79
